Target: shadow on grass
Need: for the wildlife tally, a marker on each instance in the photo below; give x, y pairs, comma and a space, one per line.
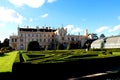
63, 71
6, 76
5, 54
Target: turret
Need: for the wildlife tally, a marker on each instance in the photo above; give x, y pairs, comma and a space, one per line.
86, 32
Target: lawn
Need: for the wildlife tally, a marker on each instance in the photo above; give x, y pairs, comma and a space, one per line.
7, 60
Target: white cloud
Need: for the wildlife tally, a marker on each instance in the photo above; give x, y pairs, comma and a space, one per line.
115, 28
10, 15
30, 3
2, 25
103, 28
44, 15
69, 27
51, 1
5, 33
73, 30
76, 30
30, 20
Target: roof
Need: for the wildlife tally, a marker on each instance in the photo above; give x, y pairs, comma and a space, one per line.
35, 30
109, 42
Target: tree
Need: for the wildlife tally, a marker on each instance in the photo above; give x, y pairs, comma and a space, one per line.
88, 44
33, 46
1, 45
6, 42
102, 36
74, 45
60, 46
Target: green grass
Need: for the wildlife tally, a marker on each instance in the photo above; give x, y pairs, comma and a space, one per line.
25, 57
7, 61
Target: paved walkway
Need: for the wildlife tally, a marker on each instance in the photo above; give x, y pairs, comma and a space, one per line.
112, 74
6, 61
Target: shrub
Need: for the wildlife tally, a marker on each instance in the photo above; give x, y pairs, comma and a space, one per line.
9, 48
72, 45
33, 46
3, 49
1, 53
60, 46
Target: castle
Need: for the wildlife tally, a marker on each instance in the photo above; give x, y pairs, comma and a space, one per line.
45, 36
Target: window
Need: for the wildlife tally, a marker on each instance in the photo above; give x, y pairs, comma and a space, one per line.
21, 46
36, 35
72, 39
15, 40
21, 40
48, 40
28, 35
21, 35
12, 40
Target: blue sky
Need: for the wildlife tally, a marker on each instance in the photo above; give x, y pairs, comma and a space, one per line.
98, 16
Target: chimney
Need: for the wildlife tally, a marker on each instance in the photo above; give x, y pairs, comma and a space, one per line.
37, 27
47, 28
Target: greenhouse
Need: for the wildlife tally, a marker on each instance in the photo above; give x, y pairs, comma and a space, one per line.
109, 42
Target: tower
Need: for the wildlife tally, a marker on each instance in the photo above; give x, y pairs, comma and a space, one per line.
86, 32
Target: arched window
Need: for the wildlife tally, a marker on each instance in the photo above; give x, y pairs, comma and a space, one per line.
15, 40
21, 46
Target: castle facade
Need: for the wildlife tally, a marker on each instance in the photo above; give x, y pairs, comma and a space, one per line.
45, 37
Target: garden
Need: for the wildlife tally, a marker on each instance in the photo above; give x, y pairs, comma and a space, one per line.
56, 56
54, 64
64, 64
